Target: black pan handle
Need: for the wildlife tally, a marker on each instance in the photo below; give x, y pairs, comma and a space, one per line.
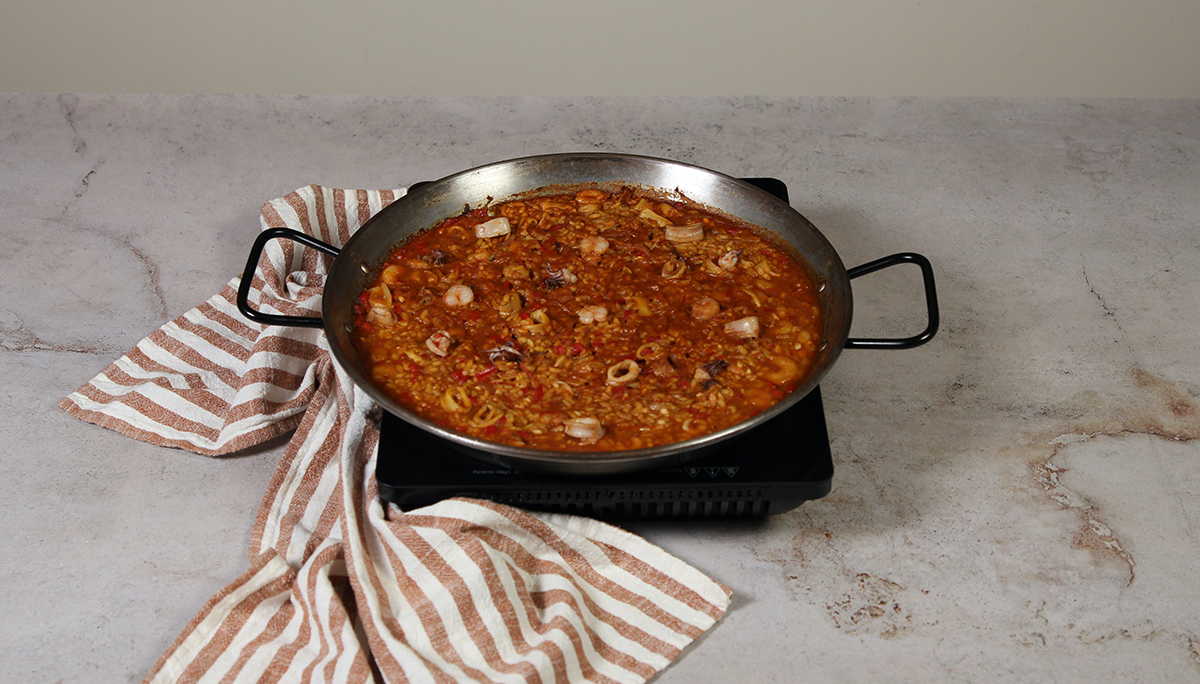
930, 303
243, 295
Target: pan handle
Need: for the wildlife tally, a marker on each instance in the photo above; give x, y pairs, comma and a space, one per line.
243, 295
931, 303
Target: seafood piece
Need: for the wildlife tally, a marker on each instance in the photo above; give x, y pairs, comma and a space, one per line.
705, 308
556, 279
493, 228
509, 303
693, 232
587, 429
592, 246
458, 295
436, 257
504, 352
439, 343
623, 372
784, 370
380, 316
391, 274
707, 374
380, 297
649, 215
590, 196
592, 314
651, 351
730, 259
674, 267
745, 328
539, 321
487, 415
456, 399
715, 368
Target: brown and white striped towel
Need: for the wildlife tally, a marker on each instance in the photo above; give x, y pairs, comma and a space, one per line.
340, 587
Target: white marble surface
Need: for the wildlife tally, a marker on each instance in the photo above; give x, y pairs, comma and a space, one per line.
1016, 501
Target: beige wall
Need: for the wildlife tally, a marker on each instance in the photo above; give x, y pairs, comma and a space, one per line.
1087, 48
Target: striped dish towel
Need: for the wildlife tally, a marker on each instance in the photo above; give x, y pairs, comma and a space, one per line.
342, 588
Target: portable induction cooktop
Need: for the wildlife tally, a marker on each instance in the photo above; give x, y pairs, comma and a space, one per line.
772, 469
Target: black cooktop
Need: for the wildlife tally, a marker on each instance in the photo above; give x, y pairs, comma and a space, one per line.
771, 469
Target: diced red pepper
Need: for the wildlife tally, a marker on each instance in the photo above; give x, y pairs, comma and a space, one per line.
486, 372
458, 375
491, 430
577, 349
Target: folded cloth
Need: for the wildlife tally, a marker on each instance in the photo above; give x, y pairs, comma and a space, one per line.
342, 588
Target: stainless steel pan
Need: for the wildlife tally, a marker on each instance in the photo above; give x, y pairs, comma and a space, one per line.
357, 263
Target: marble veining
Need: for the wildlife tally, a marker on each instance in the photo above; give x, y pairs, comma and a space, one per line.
1016, 501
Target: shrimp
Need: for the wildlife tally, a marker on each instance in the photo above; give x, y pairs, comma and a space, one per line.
458, 295
590, 196
391, 274
380, 297
730, 259
589, 430
591, 247
439, 343
592, 314
705, 308
380, 316
784, 371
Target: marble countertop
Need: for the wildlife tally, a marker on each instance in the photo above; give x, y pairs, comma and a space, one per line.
1015, 501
